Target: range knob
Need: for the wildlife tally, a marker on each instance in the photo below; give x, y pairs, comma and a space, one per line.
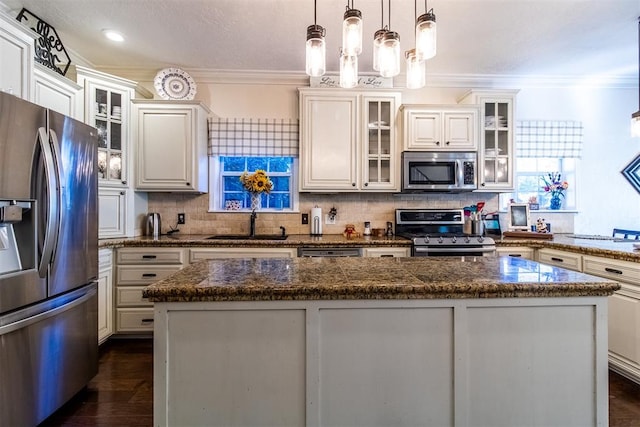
480, 239
467, 239
440, 239
453, 239
426, 239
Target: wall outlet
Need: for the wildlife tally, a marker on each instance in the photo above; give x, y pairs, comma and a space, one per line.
330, 220
180, 218
305, 218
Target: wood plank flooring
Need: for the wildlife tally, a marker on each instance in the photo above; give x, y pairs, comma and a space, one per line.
122, 392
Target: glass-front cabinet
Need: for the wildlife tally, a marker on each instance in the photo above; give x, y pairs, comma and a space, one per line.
496, 154
108, 121
379, 143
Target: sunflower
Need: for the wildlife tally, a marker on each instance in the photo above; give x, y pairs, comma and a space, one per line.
257, 182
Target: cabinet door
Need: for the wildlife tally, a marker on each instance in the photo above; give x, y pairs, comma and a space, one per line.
105, 295
328, 142
460, 130
423, 129
57, 93
16, 51
379, 150
164, 149
497, 153
112, 212
624, 324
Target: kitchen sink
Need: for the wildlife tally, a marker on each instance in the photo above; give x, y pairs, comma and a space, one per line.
246, 237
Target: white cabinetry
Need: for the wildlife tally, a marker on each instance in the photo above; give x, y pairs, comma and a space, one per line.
569, 260
171, 143
135, 269
386, 252
57, 92
16, 57
348, 140
496, 153
107, 106
105, 294
516, 252
435, 128
624, 313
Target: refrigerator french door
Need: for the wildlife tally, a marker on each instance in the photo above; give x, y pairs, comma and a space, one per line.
48, 260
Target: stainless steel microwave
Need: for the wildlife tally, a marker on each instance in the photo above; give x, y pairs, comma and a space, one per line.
439, 171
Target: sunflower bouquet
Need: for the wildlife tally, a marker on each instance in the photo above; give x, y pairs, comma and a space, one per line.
257, 182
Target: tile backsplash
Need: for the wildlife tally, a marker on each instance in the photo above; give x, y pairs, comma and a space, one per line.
352, 208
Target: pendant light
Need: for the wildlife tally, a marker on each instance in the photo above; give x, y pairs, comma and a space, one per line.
352, 31
377, 39
426, 34
415, 67
635, 117
348, 71
315, 49
389, 54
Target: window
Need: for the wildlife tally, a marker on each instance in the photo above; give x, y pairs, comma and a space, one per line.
529, 183
227, 192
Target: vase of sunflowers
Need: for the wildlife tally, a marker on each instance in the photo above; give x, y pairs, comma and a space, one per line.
256, 184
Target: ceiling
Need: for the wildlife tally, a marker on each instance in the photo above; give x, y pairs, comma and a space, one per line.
582, 38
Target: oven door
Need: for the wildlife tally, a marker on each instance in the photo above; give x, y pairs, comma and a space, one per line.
427, 250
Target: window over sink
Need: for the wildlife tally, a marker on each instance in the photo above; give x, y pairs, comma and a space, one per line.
228, 194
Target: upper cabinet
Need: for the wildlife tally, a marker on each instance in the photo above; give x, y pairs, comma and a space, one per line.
17, 53
348, 140
57, 92
440, 128
496, 154
171, 145
107, 101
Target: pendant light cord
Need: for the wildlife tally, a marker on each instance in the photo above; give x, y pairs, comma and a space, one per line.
639, 63
315, 12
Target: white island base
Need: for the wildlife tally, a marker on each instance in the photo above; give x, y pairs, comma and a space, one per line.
429, 362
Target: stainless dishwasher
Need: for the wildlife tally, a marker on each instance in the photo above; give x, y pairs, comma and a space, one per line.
329, 252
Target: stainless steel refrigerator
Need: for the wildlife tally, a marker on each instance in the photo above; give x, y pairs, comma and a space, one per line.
48, 260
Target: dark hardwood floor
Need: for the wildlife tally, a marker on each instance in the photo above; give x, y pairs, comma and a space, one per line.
122, 392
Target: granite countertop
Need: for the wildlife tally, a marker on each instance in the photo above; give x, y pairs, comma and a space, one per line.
292, 241
372, 278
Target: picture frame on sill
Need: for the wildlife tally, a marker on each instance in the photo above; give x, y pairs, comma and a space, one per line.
534, 206
518, 217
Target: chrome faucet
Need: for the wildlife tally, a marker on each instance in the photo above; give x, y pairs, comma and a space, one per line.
252, 224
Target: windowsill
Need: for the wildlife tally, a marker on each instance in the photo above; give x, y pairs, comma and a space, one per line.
269, 211
568, 211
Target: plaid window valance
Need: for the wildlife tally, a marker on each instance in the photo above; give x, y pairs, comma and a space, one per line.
549, 138
253, 137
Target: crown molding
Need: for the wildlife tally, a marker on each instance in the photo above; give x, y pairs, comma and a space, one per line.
291, 78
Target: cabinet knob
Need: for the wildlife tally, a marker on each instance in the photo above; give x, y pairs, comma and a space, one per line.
482, 185
188, 184
353, 184
447, 142
124, 182
366, 184
122, 193
437, 142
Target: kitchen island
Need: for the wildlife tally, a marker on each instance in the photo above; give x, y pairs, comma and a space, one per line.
401, 341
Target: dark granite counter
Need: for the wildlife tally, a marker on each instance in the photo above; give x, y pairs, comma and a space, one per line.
373, 278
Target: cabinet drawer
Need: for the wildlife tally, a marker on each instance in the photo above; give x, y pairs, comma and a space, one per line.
239, 252
563, 259
131, 296
623, 271
516, 252
142, 274
134, 319
150, 256
387, 252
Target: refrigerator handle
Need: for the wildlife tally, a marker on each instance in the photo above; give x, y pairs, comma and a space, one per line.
53, 214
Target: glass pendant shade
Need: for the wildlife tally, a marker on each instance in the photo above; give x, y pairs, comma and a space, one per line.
389, 56
348, 71
635, 124
352, 32
315, 51
426, 36
377, 44
416, 70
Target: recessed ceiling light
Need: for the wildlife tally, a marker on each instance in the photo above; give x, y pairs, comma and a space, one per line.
113, 35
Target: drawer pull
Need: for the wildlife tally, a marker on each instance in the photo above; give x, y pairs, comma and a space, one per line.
149, 257
556, 259
386, 256
515, 255
612, 270
146, 321
149, 274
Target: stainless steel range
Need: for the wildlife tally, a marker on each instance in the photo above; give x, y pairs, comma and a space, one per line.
439, 232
